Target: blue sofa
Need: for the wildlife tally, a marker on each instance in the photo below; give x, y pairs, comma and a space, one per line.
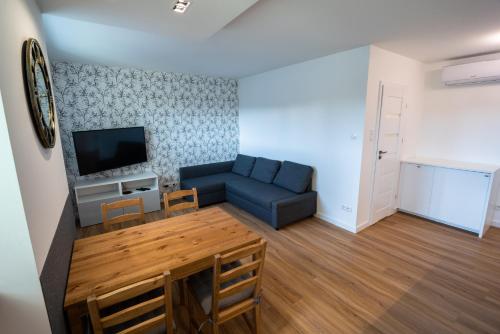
278, 193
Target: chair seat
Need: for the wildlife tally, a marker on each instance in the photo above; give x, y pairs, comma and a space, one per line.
201, 286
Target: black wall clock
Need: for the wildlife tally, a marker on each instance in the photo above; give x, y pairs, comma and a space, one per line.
39, 92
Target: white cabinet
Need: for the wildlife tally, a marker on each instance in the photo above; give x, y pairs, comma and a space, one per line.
150, 198
459, 197
463, 198
416, 188
90, 211
91, 194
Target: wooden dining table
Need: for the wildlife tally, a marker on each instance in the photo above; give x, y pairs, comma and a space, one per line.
184, 245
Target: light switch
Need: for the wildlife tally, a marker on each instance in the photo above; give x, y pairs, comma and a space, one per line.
372, 135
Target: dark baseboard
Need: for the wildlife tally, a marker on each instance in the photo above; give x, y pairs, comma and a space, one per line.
55, 270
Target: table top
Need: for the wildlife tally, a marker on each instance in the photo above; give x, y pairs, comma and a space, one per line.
184, 245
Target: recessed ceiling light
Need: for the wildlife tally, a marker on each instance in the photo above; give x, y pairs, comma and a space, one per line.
181, 6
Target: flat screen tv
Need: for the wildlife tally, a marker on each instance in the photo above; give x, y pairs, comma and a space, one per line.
100, 150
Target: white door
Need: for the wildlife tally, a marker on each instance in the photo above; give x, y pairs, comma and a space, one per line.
387, 157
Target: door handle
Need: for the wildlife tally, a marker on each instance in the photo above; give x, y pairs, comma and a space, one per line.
380, 153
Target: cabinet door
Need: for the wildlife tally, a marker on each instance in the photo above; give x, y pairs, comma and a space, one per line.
459, 197
416, 188
151, 200
90, 212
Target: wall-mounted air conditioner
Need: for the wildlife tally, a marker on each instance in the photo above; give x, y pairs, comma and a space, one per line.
473, 73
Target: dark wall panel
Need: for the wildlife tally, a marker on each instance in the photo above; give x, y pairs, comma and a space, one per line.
55, 270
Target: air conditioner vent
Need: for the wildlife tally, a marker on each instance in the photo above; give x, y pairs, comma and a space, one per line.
473, 73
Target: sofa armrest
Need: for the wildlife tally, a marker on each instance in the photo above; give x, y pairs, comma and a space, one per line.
204, 170
292, 209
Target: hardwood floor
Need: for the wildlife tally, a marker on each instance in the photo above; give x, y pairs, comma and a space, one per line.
402, 275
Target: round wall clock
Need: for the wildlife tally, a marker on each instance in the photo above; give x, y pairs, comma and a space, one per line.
39, 92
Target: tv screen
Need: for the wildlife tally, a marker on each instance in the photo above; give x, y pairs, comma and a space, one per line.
100, 150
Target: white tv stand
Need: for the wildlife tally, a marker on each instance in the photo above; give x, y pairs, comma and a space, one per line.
91, 194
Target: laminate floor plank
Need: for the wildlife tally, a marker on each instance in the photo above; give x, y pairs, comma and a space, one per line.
401, 275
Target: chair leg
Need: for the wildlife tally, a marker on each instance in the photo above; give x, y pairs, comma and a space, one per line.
257, 319
190, 325
183, 292
215, 328
190, 320
248, 321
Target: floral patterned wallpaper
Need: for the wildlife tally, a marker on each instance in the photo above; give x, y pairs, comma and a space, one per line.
188, 119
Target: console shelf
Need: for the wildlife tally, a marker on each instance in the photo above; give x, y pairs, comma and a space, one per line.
91, 194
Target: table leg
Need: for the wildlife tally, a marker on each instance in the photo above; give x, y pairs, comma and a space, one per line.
75, 314
183, 291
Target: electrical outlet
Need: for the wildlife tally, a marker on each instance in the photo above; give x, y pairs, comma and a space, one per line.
346, 208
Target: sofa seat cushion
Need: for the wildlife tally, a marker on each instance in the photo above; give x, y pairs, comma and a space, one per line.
243, 165
262, 194
201, 285
294, 177
210, 183
265, 170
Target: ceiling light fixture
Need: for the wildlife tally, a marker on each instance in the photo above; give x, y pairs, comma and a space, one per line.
181, 6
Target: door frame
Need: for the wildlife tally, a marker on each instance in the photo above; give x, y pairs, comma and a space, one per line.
376, 134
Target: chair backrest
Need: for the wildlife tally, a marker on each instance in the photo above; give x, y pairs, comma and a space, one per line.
123, 204
177, 195
246, 275
140, 309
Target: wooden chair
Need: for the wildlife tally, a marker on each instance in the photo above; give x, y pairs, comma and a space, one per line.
230, 289
180, 194
138, 311
123, 204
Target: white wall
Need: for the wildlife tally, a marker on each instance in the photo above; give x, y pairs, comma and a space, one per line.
460, 122
22, 308
308, 113
388, 67
41, 172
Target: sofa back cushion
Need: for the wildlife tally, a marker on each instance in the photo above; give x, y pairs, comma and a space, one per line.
243, 165
294, 177
265, 170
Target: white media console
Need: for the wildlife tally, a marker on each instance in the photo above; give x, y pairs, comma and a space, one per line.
91, 194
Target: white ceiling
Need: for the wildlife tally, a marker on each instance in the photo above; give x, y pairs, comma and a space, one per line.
232, 38
203, 19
